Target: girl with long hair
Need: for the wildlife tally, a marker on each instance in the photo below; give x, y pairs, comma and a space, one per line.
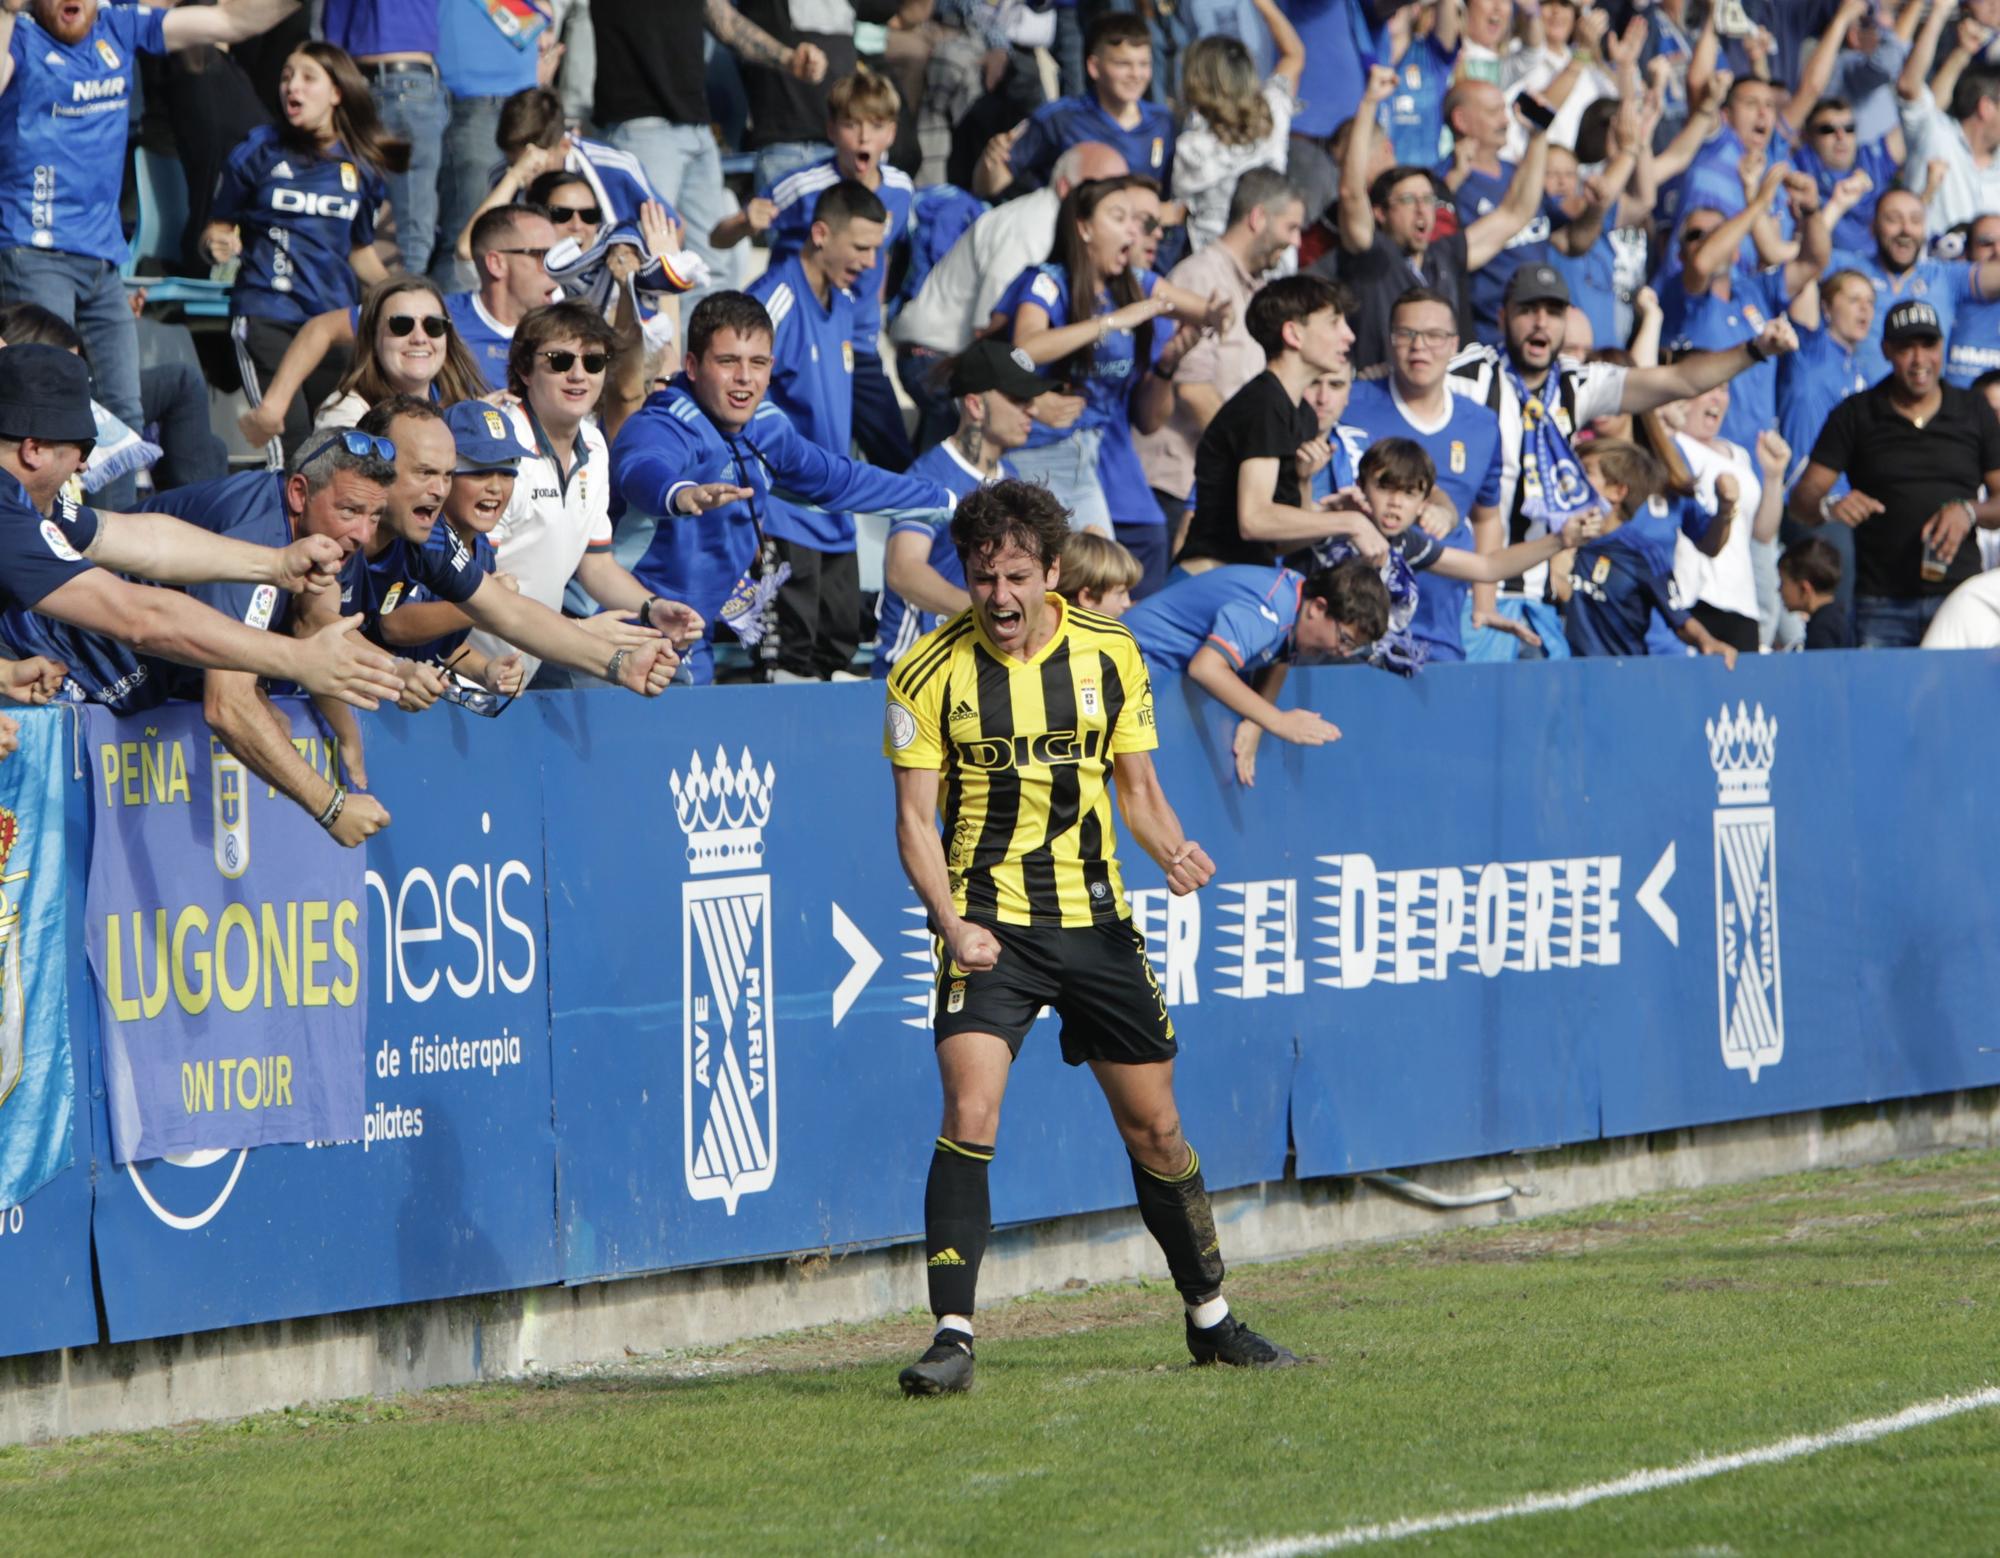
1232, 122
404, 344
1087, 319
305, 192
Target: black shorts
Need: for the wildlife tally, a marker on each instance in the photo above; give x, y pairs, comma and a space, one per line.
1097, 977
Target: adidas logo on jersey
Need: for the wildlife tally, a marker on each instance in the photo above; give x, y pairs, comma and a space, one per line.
283, 171
961, 710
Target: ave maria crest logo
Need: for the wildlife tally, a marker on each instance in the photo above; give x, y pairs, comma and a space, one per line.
1750, 992
729, 1084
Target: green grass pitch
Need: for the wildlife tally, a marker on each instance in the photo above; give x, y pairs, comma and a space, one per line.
1449, 1373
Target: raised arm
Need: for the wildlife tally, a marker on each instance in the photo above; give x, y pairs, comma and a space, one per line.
906, 569
225, 22
1717, 254
1817, 71
1291, 64
1046, 344
1486, 237
736, 32
1697, 373
1923, 53
1357, 213
318, 336
1969, 43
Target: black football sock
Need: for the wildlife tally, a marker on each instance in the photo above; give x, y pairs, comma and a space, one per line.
1177, 1215
958, 1216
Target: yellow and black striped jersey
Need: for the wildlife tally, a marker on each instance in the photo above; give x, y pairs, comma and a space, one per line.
1025, 750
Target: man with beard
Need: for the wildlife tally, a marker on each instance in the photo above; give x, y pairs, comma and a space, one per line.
1917, 453
66, 74
1899, 268
1543, 397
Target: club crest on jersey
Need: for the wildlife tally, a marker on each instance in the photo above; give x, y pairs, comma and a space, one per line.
1159, 149
350, 178
1749, 987
729, 1082
1458, 457
847, 355
1086, 694
108, 54
389, 601
1754, 317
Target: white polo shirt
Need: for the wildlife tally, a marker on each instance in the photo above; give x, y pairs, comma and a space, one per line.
551, 523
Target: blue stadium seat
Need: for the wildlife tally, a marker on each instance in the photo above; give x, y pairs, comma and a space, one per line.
163, 215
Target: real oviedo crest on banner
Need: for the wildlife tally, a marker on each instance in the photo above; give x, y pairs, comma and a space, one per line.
729, 1084
225, 934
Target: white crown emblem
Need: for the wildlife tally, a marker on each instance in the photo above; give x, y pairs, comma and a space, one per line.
1742, 750
723, 811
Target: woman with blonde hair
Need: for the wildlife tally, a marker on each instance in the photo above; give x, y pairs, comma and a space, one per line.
1233, 122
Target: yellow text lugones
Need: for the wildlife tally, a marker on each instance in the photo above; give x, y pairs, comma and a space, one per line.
283, 954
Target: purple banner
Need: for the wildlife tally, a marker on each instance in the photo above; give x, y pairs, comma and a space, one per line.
226, 937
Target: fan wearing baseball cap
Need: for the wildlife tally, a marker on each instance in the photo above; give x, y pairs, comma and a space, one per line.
923, 581
1916, 452
57, 556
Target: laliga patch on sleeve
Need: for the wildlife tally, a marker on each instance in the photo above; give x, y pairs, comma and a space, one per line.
902, 726
262, 604
1044, 287
57, 544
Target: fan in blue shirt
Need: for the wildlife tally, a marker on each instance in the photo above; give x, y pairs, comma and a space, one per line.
297, 205
1898, 267
1118, 58
1416, 112
992, 384
708, 452
1618, 581
811, 305
1831, 362
1975, 327
1828, 143
1461, 438
1235, 630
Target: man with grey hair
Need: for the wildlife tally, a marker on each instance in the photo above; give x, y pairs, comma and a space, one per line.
958, 297
1266, 215
329, 500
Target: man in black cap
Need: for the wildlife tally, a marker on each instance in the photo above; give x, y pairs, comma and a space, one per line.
1544, 398
49, 543
923, 582
1915, 451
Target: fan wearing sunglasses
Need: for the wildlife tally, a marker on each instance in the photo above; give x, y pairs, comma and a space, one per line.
400, 556
1831, 148
557, 525
405, 345
296, 204
510, 251
583, 184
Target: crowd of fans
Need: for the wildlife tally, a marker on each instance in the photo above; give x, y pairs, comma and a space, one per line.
602, 340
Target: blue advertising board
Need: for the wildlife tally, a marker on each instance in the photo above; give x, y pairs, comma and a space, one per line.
1513, 907
450, 1189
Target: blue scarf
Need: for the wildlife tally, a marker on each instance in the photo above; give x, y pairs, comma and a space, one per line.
1396, 650
1554, 489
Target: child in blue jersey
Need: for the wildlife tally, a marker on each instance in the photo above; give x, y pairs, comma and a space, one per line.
923, 577
489, 457
1615, 582
861, 112
1234, 630
811, 304
1118, 52
297, 204
1088, 317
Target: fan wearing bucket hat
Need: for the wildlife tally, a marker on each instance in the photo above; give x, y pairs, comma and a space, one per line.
380, 577
51, 546
923, 582
1916, 452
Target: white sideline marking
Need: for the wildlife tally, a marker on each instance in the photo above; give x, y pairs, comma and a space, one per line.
1624, 1487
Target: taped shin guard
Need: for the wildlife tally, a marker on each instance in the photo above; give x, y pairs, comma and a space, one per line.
1177, 1215
958, 1216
